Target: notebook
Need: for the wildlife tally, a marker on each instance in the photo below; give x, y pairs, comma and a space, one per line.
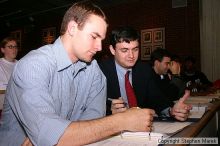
197, 112
161, 130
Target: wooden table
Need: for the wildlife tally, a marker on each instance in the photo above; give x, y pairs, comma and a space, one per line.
2, 91
200, 128
207, 126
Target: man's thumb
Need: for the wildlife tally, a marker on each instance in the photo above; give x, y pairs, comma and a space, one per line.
185, 96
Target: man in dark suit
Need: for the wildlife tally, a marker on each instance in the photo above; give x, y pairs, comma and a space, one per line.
162, 88
124, 46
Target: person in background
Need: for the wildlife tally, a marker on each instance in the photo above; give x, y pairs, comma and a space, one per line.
195, 79
175, 76
161, 92
57, 93
9, 50
124, 46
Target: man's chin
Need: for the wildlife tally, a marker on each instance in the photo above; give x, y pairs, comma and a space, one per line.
87, 60
129, 66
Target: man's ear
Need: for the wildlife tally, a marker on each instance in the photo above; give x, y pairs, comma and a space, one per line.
112, 49
2, 50
156, 62
71, 28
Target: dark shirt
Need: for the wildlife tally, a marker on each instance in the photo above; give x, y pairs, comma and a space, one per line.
196, 80
160, 92
178, 81
145, 83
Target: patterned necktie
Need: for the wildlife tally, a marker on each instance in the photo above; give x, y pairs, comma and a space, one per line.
130, 92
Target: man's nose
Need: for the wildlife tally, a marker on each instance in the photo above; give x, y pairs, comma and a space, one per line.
131, 53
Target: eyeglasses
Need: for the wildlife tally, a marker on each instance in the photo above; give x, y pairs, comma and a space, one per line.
11, 47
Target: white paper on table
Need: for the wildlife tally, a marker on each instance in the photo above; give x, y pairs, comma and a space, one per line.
169, 127
197, 112
162, 130
131, 139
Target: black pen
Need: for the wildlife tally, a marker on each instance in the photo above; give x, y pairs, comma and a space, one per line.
164, 118
111, 99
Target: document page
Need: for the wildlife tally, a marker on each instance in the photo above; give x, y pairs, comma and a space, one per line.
201, 99
162, 130
169, 127
131, 139
197, 112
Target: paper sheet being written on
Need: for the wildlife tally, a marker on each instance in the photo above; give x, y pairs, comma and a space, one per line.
201, 99
169, 127
162, 130
197, 112
131, 139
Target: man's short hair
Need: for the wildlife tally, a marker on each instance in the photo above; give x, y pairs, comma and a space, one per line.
176, 58
123, 34
80, 12
190, 59
159, 54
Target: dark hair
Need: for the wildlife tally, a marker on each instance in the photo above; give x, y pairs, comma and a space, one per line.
80, 12
123, 34
176, 58
190, 59
6, 40
159, 54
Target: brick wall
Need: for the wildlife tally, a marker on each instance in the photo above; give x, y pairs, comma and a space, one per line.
181, 24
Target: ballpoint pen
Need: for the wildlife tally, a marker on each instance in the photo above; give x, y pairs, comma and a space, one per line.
149, 136
125, 104
198, 106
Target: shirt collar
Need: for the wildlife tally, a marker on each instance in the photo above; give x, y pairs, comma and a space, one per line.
62, 58
122, 69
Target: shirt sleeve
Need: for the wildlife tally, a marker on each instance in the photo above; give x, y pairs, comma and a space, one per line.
166, 112
32, 103
3, 79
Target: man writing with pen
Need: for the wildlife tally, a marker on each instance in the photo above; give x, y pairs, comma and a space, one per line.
124, 46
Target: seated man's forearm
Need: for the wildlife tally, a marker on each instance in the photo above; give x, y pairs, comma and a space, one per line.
85, 132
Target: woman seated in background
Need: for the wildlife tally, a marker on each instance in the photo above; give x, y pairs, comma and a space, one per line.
9, 49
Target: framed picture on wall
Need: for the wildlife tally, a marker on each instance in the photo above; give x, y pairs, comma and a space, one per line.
146, 36
145, 52
157, 46
150, 40
158, 36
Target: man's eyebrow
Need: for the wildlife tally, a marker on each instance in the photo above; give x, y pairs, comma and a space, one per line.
97, 34
123, 48
131, 48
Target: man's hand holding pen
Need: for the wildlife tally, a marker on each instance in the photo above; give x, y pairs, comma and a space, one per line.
118, 105
140, 119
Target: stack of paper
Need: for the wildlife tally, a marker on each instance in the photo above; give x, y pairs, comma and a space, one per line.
162, 130
132, 139
197, 112
169, 128
201, 99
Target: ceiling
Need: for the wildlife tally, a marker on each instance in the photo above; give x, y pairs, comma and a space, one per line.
16, 13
